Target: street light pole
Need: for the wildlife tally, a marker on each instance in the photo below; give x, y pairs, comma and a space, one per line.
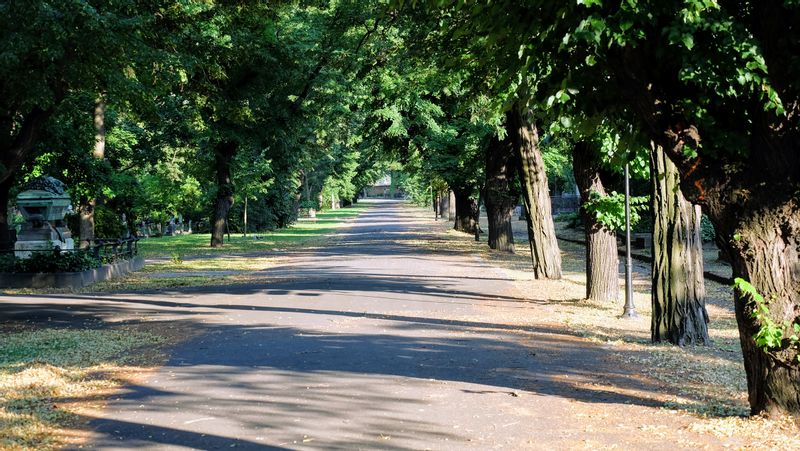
630, 310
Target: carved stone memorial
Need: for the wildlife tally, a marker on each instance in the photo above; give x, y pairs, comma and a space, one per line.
43, 204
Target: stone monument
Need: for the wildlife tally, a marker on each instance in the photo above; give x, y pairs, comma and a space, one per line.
43, 204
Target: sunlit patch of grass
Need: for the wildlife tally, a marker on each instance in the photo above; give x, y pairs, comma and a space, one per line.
48, 375
229, 263
303, 232
188, 260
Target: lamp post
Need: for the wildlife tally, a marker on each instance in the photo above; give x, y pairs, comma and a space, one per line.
630, 309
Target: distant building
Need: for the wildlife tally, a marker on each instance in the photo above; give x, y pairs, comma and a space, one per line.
383, 188
380, 188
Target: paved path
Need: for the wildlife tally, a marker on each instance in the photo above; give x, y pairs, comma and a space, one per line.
373, 343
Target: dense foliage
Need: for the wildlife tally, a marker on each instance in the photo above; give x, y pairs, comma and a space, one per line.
216, 111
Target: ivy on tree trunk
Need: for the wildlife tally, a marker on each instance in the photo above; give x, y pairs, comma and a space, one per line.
602, 259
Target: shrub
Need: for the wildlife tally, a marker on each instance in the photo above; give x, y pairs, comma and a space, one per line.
7, 262
73, 221
56, 261
707, 232
108, 223
609, 210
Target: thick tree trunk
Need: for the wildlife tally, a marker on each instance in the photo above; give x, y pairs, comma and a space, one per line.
86, 222
766, 255
223, 157
752, 199
451, 206
87, 206
20, 137
602, 259
444, 204
755, 207
545, 255
500, 197
6, 241
679, 311
466, 212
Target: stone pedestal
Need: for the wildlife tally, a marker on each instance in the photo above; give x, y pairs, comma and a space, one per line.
43, 204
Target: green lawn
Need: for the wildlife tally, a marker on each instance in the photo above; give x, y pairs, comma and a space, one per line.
303, 232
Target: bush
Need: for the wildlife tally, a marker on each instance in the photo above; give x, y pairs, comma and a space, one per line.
73, 221
7, 262
56, 261
609, 210
707, 232
108, 224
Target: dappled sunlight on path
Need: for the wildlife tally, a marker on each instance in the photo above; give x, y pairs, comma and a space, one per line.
373, 341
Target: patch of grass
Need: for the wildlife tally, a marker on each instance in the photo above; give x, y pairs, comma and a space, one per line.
188, 260
208, 264
48, 375
303, 232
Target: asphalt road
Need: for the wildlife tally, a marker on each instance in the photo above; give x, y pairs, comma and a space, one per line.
371, 343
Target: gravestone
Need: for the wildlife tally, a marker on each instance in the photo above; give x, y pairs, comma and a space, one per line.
43, 204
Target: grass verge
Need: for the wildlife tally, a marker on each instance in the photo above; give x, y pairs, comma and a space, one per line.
304, 232
188, 261
50, 377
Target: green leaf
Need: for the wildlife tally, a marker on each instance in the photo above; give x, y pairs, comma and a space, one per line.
688, 41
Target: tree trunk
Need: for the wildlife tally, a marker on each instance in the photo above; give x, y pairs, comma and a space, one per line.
756, 210
451, 206
245, 216
679, 311
602, 259
223, 157
6, 241
444, 204
545, 255
86, 222
766, 255
306, 190
466, 211
751, 197
20, 136
500, 197
87, 206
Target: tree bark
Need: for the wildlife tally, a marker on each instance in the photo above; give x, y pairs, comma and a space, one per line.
87, 206
602, 259
679, 312
6, 241
224, 153
23, 138
451, 206
545, 254
500, 198
767, 256
751, 198
444, 204
245, 216
466, 211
